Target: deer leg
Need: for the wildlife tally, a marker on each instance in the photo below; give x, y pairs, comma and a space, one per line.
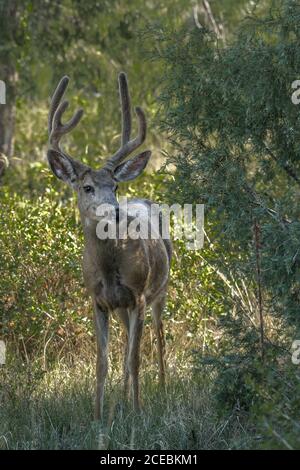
101, 325
123, 314
125, 369
136, 320
157, 310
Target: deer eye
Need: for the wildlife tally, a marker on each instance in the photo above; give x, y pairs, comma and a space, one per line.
88, 189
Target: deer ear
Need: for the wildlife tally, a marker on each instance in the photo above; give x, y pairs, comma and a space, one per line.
132, 168
63, 167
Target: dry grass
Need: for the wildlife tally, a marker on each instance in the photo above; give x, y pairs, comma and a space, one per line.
53, 410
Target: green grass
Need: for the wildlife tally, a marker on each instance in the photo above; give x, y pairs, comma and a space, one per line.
54, 410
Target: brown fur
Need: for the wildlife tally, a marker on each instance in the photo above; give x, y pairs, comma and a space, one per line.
122, 276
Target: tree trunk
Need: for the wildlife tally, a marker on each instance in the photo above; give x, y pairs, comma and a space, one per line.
7, 111
8, 74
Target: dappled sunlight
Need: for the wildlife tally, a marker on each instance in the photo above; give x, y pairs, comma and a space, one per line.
187, 106
53, 410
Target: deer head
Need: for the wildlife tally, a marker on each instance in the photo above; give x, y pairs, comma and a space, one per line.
96, 187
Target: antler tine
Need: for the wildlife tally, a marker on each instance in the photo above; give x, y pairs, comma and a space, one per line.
55, 126
125, 108
127, 146
56, 99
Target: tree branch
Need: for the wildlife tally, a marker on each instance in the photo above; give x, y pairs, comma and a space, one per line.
285, 166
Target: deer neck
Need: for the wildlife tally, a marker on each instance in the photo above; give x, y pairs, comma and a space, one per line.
93, 243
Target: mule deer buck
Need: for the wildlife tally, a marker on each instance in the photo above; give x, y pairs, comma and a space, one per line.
123, 276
